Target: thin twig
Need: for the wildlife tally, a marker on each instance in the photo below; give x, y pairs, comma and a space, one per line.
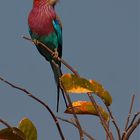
130, 111
107, 138
6, 124
40, 101
129, 115
74, 124
134, 118
100, 116
74, 114
131, 129
114, 122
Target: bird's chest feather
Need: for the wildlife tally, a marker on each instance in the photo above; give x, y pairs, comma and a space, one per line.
40, 20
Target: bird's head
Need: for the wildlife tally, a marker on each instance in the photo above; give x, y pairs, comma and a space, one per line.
50, 2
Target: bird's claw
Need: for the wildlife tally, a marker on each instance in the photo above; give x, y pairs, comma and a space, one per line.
55, 54
35, 41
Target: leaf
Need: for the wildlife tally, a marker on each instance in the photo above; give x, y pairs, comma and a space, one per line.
28, 128
101, 92
73, 84
86, 108
12, 134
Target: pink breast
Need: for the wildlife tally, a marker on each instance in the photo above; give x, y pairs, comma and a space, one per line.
40, 20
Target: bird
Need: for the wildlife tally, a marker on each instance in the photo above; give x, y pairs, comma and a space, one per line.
45, 26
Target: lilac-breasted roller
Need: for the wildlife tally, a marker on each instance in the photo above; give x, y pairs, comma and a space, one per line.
45, 26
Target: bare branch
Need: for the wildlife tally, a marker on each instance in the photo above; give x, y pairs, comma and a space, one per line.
74, 114
36, 42
130, 111
100, 116
6, 124
134, 118
131, 129
38, 100
129, 115
74, 124
107, 137
114, 122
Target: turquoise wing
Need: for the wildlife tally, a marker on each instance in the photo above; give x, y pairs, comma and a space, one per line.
58, 31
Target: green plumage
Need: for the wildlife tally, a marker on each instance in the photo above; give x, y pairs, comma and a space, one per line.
50, 41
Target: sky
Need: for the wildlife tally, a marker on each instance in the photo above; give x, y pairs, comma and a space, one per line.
101, 40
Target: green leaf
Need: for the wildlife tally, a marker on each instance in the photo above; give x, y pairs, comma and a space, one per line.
73, 84
28, 128
12, 134
86, 108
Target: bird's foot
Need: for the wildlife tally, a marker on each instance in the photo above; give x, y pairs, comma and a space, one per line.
35, 41
55, 54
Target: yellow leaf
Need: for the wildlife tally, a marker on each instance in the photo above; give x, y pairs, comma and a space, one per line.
86, 108
28, 128
73, 84
101, 92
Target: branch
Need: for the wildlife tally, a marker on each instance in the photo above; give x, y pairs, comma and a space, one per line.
114, 122
131, 129
107, 138
130, 111
129, 115
6, 124
74, 114
38, 100
36, 42
134, 118
71, 122
100, 116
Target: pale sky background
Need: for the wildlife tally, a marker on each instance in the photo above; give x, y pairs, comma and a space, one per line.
101, 40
